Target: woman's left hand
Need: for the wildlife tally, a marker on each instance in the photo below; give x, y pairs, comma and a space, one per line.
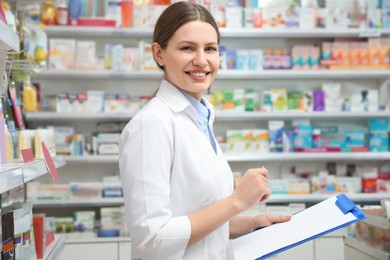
265, 220
241, 225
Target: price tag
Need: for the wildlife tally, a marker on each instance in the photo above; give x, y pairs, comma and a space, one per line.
49, 163
27, 155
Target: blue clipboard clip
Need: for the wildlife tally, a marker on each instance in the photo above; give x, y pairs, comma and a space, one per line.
346, 206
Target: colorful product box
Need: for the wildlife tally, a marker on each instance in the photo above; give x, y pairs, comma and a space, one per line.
318, 100
279, 99
231, 60
298, 186
295, 101
348, 184
234, 17
260, 142
228, 99
239, 99
379, 141
234, 140
242, 59
62, 54
255, 60
303, 136
276, 132
354, 138
278, 186
251, 100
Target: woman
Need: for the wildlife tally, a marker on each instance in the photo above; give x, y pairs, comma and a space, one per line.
178, 187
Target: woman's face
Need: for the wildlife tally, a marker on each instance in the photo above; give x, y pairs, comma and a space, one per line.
191, 59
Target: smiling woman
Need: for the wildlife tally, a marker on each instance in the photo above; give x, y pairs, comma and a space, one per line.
177, 184
191, 58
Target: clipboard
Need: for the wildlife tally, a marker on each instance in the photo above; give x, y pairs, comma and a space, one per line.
329, 215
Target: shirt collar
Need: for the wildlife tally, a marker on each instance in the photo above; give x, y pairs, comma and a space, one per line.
203, 113
177, 101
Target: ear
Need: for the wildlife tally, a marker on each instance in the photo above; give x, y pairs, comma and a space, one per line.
157, 53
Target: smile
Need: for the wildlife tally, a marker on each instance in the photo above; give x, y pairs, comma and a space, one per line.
198, 74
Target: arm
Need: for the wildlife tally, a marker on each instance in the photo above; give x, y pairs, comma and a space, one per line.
252, 188
146, 153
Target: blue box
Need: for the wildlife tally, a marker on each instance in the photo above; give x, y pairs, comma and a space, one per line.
354, 138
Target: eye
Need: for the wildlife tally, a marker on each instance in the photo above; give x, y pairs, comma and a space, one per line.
211, 49
186, 48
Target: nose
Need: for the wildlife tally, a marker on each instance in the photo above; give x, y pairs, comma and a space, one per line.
200, 59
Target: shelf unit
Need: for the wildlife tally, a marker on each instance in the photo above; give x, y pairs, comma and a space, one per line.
220, 116
9, 40
54, 250
275, 198
15, 174
263, 157
223, 74
225, 32
361, 251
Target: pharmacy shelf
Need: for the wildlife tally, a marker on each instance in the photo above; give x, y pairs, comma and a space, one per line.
245, 116
220, 116
86, 31
103, 202
314, 156
267, 157
275, 198
15, 174
96, 74
93, 240
90, 159
54, 250
377, 221
367, 251
9, 40
315, 198
222, 74
54, 116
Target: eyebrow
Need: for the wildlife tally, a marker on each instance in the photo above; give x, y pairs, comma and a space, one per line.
194, 43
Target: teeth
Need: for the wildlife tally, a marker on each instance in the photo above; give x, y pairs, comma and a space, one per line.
198, 74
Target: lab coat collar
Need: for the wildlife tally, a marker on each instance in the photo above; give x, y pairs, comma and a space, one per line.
177, 102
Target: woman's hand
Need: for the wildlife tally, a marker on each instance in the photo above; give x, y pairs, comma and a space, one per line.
252, 188
241, 225
266, 220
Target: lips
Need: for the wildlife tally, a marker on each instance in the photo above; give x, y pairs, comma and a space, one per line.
198, 74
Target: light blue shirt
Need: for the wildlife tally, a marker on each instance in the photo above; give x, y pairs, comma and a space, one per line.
202, 117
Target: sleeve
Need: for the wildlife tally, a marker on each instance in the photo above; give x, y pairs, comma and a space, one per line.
146, 155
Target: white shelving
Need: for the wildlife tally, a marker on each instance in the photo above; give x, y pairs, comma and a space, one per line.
55, 31
15, 174
9, 40
104, 202
54, 250
223, 74
241, 116
264, 157
53, 116
369, 252
327, 156
93, 240
220, 116
275, 198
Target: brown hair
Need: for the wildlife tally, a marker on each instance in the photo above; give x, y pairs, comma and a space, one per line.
175, 16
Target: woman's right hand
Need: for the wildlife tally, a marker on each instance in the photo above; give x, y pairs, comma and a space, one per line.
252, 188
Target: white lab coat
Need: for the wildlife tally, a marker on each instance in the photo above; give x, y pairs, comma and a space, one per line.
168, 169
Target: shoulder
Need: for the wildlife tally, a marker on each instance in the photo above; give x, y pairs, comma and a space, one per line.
156, 114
